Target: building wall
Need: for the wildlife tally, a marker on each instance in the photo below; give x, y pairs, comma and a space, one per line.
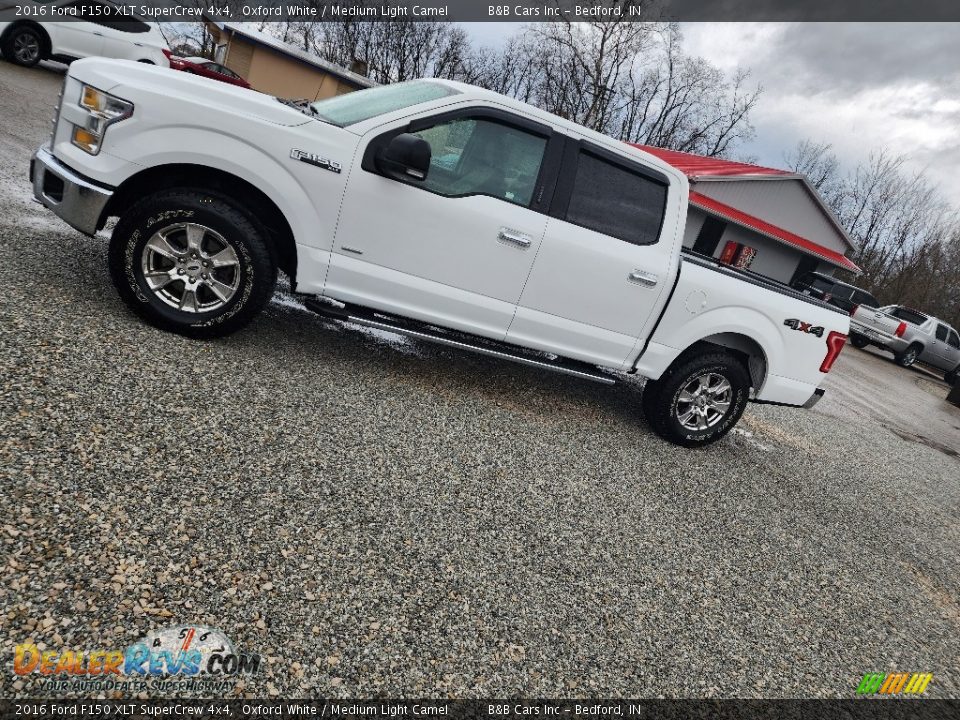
784, 203
773, 259
695, 218
274, 73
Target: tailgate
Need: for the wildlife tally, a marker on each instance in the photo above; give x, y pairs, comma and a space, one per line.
876, 319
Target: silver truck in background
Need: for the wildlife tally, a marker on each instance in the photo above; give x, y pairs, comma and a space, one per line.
910, 335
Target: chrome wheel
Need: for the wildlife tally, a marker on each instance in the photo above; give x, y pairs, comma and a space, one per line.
26, 47
191, 267
910, 357
703, 401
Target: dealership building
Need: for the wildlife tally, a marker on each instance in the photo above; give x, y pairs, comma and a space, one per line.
768, 221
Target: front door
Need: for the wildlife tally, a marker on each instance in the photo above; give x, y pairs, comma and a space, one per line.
455, 248
608, 259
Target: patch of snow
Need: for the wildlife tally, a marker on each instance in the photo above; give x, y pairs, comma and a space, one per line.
749, 439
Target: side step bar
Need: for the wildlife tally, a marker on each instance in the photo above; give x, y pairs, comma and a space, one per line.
363, 316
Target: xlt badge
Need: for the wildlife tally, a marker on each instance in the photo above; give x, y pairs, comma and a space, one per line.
313, 159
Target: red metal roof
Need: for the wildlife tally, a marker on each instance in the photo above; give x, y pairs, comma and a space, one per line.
777, 233
702, 166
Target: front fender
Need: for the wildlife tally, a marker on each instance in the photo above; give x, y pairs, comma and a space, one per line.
157, 147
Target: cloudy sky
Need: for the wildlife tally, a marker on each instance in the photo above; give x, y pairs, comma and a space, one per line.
858, 86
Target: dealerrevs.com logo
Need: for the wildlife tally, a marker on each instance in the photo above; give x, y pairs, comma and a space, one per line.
184, 653
894, 683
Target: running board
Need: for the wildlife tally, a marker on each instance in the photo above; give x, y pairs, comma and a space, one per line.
463, 341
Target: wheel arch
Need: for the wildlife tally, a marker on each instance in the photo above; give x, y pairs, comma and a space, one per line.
47, 46
253, 200
744, 347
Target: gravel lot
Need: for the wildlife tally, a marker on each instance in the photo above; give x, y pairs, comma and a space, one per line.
377, 516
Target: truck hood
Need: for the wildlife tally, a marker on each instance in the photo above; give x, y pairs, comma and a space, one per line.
132, 80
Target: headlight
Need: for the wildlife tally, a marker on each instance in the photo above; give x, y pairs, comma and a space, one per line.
103, 110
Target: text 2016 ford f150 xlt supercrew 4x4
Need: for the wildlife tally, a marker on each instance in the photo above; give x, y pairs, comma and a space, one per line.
430, 208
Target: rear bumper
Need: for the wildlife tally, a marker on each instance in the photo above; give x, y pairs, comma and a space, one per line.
73, 198
814, 399
878, 337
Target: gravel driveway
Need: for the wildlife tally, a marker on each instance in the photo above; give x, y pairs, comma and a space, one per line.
378, 516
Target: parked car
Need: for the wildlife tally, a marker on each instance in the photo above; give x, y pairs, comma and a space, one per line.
910, 335
125, 37
846, 297
534, 239
207, 68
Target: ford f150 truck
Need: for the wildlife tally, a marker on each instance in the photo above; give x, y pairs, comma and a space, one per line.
429, 208
910, 335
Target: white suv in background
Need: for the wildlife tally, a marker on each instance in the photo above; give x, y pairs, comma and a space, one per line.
125, 37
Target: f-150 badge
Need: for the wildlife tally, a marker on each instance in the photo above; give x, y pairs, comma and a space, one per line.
804, 327
313, 159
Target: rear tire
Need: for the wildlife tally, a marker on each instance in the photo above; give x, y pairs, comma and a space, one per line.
24, 46
909, 356
698, 400
858, 341
192, 262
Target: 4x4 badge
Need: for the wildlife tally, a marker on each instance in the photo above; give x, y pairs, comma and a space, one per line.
313, 159
804, 327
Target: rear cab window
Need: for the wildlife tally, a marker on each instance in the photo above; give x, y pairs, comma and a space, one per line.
616, 198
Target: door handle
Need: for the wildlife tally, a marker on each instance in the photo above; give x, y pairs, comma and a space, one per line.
98, 34
643, 278
512, 236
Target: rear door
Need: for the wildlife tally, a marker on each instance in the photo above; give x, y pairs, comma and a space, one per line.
936, 352
607, 260
952, 352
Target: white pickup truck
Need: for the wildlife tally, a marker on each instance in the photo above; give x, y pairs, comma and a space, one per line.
430, 208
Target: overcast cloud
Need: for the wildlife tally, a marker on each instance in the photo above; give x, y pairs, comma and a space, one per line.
859, 86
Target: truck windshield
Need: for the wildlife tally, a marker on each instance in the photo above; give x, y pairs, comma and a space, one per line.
362, 105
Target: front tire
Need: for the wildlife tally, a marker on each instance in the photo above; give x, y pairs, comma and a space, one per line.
952, 376
191, 262
24, 46
698, 400
909, 356
858, 341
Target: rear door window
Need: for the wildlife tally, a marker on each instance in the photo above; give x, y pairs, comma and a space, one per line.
942, 333
616, 200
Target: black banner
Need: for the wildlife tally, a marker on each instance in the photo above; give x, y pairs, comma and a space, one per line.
865, 709
480, 10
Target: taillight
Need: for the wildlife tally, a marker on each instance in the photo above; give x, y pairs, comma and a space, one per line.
854, 309
901, 329
166, 52
835, 342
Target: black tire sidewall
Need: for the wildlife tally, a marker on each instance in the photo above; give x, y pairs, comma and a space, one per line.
858, 341
10, 42
664, 392
902, 358
143, 220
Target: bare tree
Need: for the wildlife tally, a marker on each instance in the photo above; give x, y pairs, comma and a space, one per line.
908, 235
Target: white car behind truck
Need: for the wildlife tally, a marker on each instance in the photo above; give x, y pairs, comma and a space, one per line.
430, 208
103, 33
